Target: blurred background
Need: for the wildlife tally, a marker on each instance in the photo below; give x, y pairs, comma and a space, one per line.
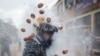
80, 20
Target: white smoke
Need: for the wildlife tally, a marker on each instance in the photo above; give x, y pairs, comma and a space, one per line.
18, 13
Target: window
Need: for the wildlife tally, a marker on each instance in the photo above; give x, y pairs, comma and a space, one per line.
78, 1
82, 4
83, 21
69, 3
97, 24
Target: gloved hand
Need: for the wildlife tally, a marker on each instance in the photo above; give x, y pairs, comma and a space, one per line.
29, 37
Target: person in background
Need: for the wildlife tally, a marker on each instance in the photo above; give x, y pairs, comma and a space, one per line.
5, 45
87, 40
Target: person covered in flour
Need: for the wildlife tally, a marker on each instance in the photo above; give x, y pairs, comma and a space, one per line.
36, 45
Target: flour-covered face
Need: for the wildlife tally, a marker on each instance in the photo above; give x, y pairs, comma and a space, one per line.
46, 36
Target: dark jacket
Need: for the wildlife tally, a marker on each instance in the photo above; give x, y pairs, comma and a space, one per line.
33, 48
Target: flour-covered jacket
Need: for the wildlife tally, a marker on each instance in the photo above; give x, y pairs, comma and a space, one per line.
34, 48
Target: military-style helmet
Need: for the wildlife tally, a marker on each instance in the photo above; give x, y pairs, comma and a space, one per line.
46, 28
